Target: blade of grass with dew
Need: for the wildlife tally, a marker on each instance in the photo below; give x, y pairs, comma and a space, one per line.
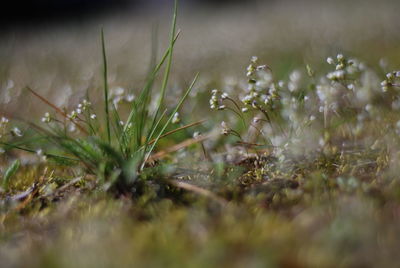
105, 74
169, 120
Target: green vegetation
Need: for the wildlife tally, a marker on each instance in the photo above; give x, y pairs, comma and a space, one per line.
293, 165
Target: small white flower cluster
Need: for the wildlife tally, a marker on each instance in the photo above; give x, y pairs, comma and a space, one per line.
46, 118
128, 125
82, 113
390, 80
80, 109
118, 95
307, 106
217, 99
84, 106
4, 123
344, 67
253, 67
260, 88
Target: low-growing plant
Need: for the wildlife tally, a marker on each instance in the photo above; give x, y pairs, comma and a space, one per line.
114, 149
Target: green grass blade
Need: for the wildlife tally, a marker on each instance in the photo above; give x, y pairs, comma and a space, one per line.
170, 56
11, 170
105, 74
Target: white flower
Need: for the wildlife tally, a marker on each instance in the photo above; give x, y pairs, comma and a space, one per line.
16, 132
130, 97
336, 75
71, 128
85, 104
196, 135
261, 67
295, 76
73, 115
176, 119
4, 120
340, 66
368, 107
117, 100
221, 107
93, 116
254, 59
118, 91
390, 75
46, 118
225, 129
329, 60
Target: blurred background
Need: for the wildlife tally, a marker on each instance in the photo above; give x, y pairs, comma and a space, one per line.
54, 45
56, 11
